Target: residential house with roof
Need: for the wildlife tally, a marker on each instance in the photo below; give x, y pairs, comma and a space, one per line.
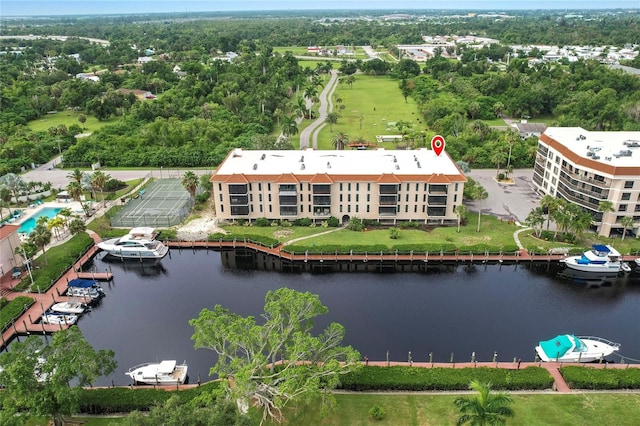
386, 186
585, 167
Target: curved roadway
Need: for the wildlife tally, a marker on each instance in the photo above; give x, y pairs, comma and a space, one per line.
311, 132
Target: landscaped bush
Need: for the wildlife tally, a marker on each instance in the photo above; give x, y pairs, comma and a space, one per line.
424, 379
409, 225
373, 249
124, 400
113, 185
305, 221
262, 221
260, 239
13, 309
333, 222
599, 379
377, 412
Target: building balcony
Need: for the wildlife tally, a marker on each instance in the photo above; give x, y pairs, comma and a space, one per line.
438, 189
321, 211
537, 178
388, 200
288, 211
582, 201
287, 193
574, 185
436, 211
239, 210
388, 189
605, 184
238, 189
321, 189
387, 211
288, 200
437, 201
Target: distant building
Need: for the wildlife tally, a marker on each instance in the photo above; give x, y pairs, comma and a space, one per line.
527, 130
586, 167
144, 59
387, 186
89, 76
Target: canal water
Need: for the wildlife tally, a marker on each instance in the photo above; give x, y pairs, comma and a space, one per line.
456, 309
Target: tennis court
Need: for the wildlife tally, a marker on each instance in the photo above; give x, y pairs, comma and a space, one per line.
160, 204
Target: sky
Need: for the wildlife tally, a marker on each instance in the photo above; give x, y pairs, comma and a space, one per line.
90, 7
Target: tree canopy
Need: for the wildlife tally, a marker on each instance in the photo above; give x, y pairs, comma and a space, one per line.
38, 377
276, 360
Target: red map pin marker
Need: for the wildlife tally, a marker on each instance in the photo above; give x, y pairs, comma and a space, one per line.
437, 144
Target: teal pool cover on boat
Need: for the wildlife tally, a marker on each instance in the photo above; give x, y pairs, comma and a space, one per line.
556, 347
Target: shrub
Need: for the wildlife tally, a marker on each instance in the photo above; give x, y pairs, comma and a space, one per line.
305, 221
113, 185
601, 379
201, 198
409, 225
333, 222
377, 412
501, 176
13, 309
241, 222
262, 221
394, 233
355, 224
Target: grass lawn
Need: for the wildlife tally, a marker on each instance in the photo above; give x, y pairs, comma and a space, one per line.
421, 409
278, 232
68, 118
302, 51
377, 100
492, 232
495, 122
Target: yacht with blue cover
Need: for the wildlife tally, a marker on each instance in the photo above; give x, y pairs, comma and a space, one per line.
601, 258
570, 348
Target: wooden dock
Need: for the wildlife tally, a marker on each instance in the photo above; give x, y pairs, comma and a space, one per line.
96, 276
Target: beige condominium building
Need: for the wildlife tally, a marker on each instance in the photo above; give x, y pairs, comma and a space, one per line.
586, 167
382, 185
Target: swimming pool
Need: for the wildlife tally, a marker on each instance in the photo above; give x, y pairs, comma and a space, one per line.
28, 225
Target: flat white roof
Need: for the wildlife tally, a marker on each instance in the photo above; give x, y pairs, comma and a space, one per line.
612, 148
344, 162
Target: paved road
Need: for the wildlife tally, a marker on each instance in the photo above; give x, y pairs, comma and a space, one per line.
59, 178
506, 201
309, 134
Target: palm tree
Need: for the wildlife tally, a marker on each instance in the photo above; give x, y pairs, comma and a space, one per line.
41, 236
340, 140
626, 222
98, 181
350, 80
477, 192
289, 126
190, 183
310, 93
484, 409
76, 226
76, 175
536, 219
75, 191
512, 137
331, 119
605, 206
498, 158
461, 212
5, 198
14, 183
56, 224
549, 204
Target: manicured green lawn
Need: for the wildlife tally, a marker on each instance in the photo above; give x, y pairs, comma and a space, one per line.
68, 118
378, 101
495, 122
420, 409
278, 232
492, 231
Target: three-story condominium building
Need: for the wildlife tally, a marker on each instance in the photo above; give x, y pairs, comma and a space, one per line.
586, 168
387, 186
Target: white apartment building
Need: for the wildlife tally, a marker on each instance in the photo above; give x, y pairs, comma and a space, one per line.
586, 167
382, 185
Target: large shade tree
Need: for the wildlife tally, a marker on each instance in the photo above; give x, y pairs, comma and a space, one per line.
249, 349
38, 377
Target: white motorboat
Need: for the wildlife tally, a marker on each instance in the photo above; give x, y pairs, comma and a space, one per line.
139, 243
57, 318
167, 372
600, 259
88, 290
570, 348
70, 307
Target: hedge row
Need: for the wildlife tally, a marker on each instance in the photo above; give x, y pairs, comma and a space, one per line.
431, 379
124, 400
13, 309
599, 379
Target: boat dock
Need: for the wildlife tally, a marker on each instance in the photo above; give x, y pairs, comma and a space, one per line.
30, 320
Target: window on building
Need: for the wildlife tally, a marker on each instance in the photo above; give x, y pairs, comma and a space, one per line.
349, 186
300, 187
269, 197
348, 208
340, 186
250, 186
260, 197
455, 198
553, 181
340, 208
456, 187
423, 208
221, 197
221, 207
219, 187
368, 187
357, 198
268, 187
406, 198
251, 208
425, 187
416, 198
259, 186
357, 208
408, 187
358, 186
349, 198
260, 208
406, 209
424, 198
628, 184
368, 198
301, 198
415, 208
340, 197
270, 210
368, 208
626, 196
417, 187
622, 208
557, 160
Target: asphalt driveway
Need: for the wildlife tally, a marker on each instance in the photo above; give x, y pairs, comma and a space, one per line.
506, 201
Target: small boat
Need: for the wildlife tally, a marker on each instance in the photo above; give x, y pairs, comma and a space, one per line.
85, 289
601, 259
139, 243
570, 348
70, 307
167, 372
624, 267
57, 318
